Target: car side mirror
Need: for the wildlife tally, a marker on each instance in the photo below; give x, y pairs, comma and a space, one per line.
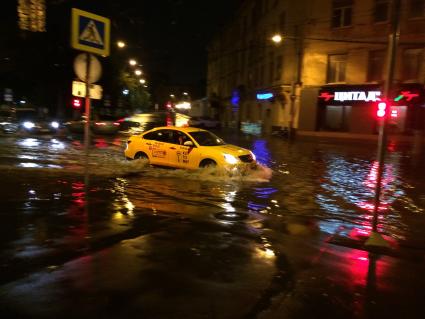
188, 143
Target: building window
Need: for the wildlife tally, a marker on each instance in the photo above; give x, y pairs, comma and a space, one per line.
279, 64
411, 63
336, 68
416, 8
261, 75
271, 67
342, 11
282, 22
376, 66
381, 11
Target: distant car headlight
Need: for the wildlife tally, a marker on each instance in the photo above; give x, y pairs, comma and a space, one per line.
28, 125
230, 159
54, 124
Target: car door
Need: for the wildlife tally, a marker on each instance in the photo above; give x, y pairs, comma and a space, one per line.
183, 156
157, 143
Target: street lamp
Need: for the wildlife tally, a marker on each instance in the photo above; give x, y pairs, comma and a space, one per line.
142, 81
138, 72
132, 62
121, 44
277, 38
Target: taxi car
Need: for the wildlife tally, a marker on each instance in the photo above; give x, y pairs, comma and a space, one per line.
187, 147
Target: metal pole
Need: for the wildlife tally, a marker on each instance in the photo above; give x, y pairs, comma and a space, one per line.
87, 124
382, 144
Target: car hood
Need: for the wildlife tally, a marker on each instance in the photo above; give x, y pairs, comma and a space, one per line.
232, 149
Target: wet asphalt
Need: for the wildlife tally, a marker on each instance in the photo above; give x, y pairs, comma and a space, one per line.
285, 241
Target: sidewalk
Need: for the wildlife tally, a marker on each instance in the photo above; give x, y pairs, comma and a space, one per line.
355, 136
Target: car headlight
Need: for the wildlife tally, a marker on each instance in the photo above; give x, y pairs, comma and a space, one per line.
28, 125
230, 159
54, 124
253, 156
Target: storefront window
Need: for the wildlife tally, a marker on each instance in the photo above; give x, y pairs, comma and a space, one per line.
336, 68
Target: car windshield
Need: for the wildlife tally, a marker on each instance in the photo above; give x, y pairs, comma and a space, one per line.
205, 138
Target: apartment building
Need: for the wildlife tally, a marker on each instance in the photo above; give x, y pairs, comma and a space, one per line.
326, 74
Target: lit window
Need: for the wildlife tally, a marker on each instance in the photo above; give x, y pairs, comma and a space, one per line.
342, 11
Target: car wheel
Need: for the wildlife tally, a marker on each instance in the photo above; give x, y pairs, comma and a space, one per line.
207, 163
141, 156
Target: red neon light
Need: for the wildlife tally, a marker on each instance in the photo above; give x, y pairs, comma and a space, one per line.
326, 96
409, 96
394, 113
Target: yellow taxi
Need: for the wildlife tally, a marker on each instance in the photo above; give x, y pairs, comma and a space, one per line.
187, 147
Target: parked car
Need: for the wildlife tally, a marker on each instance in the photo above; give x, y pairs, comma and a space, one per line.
142, 122
27, 120
203, 122
187, 147
105, 125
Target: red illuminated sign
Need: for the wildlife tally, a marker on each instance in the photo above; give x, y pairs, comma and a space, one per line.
326, 96
407, 95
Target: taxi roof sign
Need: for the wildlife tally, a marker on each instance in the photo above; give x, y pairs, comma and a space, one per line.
90, 32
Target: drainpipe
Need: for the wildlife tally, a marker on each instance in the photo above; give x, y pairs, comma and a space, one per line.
296, 84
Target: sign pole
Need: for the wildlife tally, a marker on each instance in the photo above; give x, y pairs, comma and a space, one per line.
375, 238
87, 113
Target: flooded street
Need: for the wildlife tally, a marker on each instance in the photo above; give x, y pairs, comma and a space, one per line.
283, 241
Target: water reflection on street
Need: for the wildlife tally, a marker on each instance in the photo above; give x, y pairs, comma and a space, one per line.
304, 189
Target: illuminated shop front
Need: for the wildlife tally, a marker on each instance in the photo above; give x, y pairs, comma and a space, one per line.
264, 111
352, 108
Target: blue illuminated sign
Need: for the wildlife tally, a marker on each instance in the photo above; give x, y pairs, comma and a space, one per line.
264, 96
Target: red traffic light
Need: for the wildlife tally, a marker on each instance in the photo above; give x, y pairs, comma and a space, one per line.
76, 103
381, 110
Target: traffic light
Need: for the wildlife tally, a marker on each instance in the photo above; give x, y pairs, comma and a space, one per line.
381, 110
76, 103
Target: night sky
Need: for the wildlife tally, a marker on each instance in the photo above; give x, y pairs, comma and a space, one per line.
167, 37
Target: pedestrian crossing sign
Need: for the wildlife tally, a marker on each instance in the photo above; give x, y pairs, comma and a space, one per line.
90, 32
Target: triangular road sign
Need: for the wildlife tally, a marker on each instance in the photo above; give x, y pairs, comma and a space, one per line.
91, 34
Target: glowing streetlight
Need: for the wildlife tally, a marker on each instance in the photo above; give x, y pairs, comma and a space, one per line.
172, 96
138, 72
277, 38
121, 44
132, 62
143, 81
185, 93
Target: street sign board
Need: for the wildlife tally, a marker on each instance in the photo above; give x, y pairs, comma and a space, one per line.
80, 68
90, 32
79, 89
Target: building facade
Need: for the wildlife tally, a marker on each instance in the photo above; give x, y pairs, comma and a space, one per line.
328, 71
